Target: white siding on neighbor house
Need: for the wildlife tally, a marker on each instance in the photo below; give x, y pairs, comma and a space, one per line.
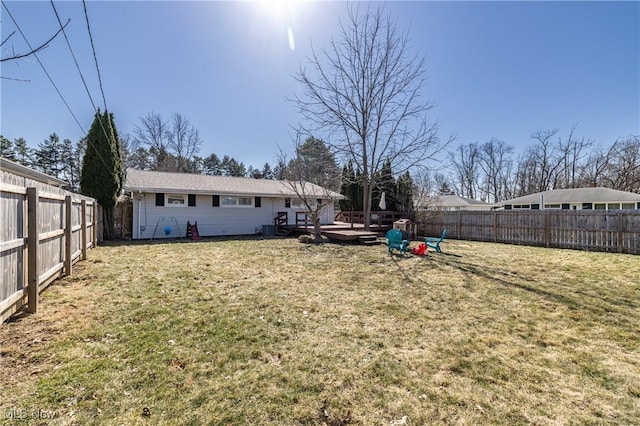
149, 220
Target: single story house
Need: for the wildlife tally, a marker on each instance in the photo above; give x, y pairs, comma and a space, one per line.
164, 202
453, 202
595, 198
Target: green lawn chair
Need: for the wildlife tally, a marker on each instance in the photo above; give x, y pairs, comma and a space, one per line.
434, 242
396, 241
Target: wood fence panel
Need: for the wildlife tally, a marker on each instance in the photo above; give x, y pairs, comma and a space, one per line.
614, 231
38, 230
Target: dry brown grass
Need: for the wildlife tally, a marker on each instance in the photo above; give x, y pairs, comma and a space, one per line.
277, 332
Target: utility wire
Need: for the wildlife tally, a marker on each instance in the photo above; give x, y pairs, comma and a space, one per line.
73, 56
84, 4
43, 68
104, 131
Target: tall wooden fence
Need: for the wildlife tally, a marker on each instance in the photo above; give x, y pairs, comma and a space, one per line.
45, 230
614, 231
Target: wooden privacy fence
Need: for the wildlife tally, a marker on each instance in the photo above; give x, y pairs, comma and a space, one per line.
615, 231
43, 234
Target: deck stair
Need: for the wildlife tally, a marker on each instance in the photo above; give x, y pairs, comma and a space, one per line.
281, 223
368, 239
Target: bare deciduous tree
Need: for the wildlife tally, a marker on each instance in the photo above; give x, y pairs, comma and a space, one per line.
184, 141
465, 161
314, 177
365, 91
172, 145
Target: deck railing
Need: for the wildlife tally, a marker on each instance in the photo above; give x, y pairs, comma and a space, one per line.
384, 218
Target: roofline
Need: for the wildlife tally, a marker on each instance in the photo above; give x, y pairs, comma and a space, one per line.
27, 172
210, 192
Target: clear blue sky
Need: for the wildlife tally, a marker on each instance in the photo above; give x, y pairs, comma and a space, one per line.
496, 69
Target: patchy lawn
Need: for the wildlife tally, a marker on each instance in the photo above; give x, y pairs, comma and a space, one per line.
275, 332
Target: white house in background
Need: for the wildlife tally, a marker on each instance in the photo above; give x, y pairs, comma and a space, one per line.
452, 202
221, 205
574, 199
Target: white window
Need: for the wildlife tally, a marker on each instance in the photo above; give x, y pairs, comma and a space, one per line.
600, 206
628, 206
613, 206
176, 200
232, 201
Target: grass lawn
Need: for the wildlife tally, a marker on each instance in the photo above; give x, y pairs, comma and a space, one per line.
275, 332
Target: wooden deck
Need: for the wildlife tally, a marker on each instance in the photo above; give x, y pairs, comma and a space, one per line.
343, 231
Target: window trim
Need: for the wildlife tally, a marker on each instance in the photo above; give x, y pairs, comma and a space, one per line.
175, 196
237, 203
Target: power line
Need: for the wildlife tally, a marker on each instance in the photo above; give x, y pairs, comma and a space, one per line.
104, 131
74, 57
43, 68
84, 4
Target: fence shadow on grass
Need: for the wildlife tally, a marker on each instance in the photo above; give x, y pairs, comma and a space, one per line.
509, 279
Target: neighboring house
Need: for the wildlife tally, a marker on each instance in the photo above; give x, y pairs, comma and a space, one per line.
221, 205
574, 199
452, 202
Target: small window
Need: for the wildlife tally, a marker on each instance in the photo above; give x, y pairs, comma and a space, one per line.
587, 206
552, 206
600, 206
535, 206
215, 202
176, 200
192, 200
521, 206
232, 201
160, 199
628, 206
258, 202
613, 206
566, 206
287, 203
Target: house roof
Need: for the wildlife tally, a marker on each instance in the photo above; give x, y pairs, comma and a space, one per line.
577, 195
153, 181
453, 200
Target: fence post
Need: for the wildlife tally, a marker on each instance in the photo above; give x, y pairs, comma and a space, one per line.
620, 232
33, 246
68, 204
495, 226
547, 229
94, 228
83, 222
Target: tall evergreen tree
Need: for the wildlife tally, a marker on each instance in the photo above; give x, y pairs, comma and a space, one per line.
103, 171
387, 184
23, 154
6, 148
404, 193
48, 156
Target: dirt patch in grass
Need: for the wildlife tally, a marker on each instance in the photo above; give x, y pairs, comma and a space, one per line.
277, 332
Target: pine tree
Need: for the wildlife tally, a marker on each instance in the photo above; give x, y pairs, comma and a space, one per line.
404, 193
103, 171
23, 154
387, 184
48, 156
6, 149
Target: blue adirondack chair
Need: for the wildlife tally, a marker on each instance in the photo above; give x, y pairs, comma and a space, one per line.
396, 241
434, 242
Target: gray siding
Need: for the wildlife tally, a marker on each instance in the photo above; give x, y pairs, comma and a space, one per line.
149, 220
